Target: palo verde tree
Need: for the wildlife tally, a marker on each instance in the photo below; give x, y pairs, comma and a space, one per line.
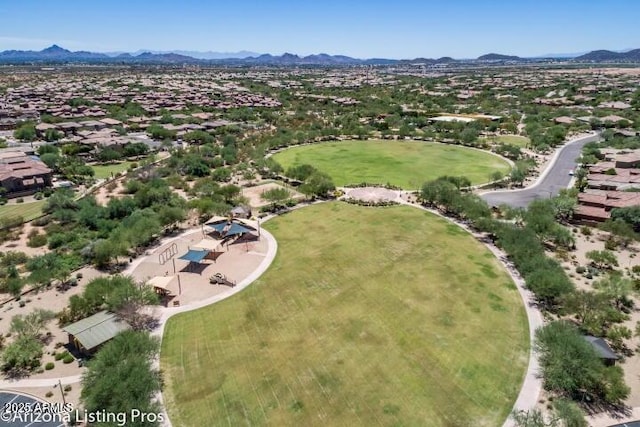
121, 377
275, 196
602, 259
571, 367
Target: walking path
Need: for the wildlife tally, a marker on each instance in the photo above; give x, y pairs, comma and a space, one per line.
42, 382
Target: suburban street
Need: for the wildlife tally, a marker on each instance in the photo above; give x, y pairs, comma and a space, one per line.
555, 179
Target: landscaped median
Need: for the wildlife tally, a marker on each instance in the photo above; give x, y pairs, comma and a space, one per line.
367, 316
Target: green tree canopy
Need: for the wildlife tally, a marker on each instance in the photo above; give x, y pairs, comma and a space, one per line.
570, 366
121, 377
25, 132
275, 195
22, 354
602, 259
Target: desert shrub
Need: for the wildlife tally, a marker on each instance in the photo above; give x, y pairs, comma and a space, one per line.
580, 269
610, 244
68, 359
49, 366
42, 221
36, 239
111, 186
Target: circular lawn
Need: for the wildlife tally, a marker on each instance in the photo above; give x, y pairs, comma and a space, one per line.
367, 316
406, 164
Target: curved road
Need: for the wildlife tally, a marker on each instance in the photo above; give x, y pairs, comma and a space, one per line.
555, 178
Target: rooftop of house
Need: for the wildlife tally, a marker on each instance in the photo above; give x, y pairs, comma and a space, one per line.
14, 164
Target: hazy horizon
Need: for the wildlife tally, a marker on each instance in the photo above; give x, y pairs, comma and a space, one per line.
397, 30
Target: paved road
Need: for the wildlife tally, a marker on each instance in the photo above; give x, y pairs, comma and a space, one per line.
552, 181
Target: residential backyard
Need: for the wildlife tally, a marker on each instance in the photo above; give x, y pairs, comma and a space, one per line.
519, 141
27, 210
108, 170
378, 316
407, 164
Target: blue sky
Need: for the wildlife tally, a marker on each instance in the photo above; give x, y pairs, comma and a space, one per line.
372, 28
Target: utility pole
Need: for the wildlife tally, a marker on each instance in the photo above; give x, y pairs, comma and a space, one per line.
64, 401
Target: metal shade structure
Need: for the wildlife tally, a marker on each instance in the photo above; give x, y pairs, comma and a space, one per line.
236, 229
195, 255
208, 244
229, 229
217, 226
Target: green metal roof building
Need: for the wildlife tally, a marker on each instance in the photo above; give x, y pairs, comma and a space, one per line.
90, 333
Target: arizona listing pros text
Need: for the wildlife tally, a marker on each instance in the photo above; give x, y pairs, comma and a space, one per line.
79, 416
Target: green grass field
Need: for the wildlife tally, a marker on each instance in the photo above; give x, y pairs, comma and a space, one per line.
407, 164
376, 316
27, 210
104, 171
519, 141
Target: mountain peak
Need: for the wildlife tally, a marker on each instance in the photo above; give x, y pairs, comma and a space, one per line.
55, 49
608, 55
498, 57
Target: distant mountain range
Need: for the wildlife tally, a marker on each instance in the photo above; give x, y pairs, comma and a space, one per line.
610, 56
192, 53
498, 57
57, 54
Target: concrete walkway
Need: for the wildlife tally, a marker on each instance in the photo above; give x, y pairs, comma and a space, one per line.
40, 382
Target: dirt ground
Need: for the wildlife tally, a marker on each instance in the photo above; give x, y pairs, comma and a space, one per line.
253, 193
627, 258
372, 194
103, 194
53, 300
20, 245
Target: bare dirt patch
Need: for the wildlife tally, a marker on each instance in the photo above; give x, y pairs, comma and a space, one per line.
373, 194
253, 194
